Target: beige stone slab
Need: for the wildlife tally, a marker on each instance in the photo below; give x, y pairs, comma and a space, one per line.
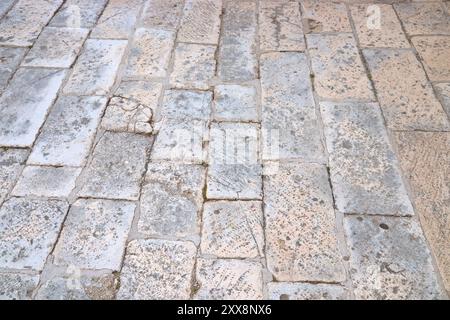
163, 14
435, 53
321, 16
306, 291
423, 18
443, 93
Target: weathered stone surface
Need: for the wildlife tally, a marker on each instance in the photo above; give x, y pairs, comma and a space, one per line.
194, 66
233, 229
423, 18
23, 23
78, 14
28, 231
24, 111
321, 16
150, 53
5, 5
435, 53
237, 53
94, 234
228, 280
96, 68
405, 95
16, 286
67, 135
157, 269
10, 59
364, 170
378, 26
234, 170
117, 167
339, 73
171, 200
301, 240
118, 19
142, 92
186, 105
46, 181
443, 92
235, 103
306, 291
280, 27
425, 159
11, 164
289, 121
389, 259
163, 14
201, 21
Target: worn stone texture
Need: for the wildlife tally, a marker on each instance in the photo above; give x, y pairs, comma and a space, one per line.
235, 103
423, 18
171, 200
364, 171
11, 165
78, 14
28, 230
443, 92
157, 269
10, 59
186, 105
228, 280
435, 53
306, 291
405, 95
321, 16
389, 259
163, 14
16, 286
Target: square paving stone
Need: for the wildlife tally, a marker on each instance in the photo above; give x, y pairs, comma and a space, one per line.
306, 291
16, 286
10, 59
423, 18
163, 14
11, 165
94, 234
78, 14
321, 16
235, 103
28, 230
186, 105
157, 270
435, 53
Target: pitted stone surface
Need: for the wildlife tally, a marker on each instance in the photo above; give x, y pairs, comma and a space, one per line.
16, 286
235, 103
306, 291
78, 14
434, 51
163, 14
9, 61
186, 105
423, 18
321, 16
11, 165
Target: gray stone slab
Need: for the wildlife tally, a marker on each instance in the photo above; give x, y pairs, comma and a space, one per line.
16, 286
5, 5
423, 18
11, 165
186, 105
10, 59
78, 14
235, 103
306, 291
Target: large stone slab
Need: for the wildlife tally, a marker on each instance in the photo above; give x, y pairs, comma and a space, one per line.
163, 14
11, 165
186, 105
423, 18
22, 112
321, 16
235, 103
16, 286
306, 291
10, 59
78, 14
434, 51
301, 241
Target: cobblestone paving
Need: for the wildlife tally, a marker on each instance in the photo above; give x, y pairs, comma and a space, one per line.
224, 149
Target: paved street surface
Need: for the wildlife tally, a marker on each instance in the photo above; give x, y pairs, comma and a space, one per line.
220, 149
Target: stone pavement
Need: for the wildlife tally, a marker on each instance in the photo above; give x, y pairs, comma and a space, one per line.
219, 149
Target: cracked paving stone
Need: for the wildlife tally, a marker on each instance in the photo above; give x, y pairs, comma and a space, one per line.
94, 234
24, 111
157, 269
301, 240
23, 23
339, 73
201, 21
10, 59
186, 105
443, 92
163, 14
28, 230
233, 229
56, 48
78, 14
234, 171
235, 103
171, 200
405, 95
46, 181
117, 167
435, 53
323, 16
96, 68
16, 286
389, 259
290, 125
67, 135
228, 280
11, 165
194, 66
364, 170
306, 291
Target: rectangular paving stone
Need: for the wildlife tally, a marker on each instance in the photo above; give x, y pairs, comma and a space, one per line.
25, 103
171, 200
290, 127
364, 171
163, 14
378, 26
237, 51
56, 48
117, 167
423, 18
434, 52
233, 229
68, 133
194, 66
187, 105
339, 73
28, 230
11, 165
150, 53
228, 280
94, 234
301, 241
443, 93
425, 159
23, 23
321, 16
306, 291
235, 103
201, 21
10, 59
389, 259
118, 19
157, 270
234, 171
78, 14
96, 68
405, 95
280, 27
16, 286
46, 181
